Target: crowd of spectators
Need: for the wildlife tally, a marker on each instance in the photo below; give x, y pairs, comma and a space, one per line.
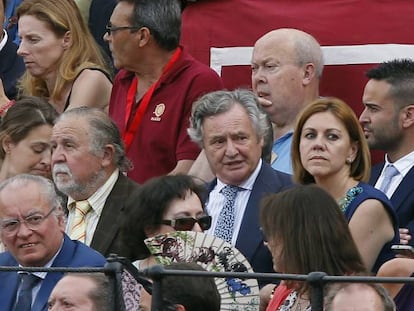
112, 133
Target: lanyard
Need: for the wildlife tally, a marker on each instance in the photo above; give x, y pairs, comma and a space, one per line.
132, 127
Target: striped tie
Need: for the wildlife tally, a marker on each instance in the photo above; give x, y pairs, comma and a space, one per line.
78, 229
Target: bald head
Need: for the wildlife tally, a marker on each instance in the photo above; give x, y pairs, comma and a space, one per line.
358, 297
300, 45
287, 65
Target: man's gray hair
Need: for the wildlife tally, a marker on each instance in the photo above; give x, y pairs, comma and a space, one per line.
47, 188
101, 296
218, 102
161, 17
308, 50
386, 300
102, 131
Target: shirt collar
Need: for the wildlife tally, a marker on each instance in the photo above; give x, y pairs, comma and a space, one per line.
248, 183
4, 40
101, 193
42, 274
403, 165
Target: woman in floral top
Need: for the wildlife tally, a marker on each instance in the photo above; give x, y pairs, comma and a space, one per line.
329, 149
306, 231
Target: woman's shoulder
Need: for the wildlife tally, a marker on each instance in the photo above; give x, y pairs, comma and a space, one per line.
397, 267
368, 199
371, 193
93, 73
92, 87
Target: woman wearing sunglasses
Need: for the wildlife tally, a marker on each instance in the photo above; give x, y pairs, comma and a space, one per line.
167, 203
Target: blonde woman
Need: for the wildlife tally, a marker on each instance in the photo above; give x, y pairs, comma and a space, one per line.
63, 62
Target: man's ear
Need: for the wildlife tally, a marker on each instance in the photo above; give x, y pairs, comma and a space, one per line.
407, 116
309, 73
108, 155
61, 219
144, 35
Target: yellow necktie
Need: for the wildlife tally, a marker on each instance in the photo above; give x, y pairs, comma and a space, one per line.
78, 229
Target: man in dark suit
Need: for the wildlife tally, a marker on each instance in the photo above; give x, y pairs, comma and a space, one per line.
11, 65
88, 161
388, 122
32, 228
230, 127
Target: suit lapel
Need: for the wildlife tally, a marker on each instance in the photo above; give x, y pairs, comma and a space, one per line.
250, 236
108, 226
63, 259
403, 190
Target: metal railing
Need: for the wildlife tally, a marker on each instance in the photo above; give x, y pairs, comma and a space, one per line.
317, 281
115, 266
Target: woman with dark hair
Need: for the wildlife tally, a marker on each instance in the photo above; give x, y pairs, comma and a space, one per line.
329, 148
306, 231
165, 204
25, 133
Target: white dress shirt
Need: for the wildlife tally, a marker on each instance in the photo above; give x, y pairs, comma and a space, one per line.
97, 203
4, 40
216, 202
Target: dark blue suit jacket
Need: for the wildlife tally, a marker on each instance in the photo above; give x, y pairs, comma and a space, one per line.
250, 239
72, 254
402, 200
11, 68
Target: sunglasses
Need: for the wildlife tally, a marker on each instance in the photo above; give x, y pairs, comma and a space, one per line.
187, 223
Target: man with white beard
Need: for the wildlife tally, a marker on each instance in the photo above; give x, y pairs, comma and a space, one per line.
88, 161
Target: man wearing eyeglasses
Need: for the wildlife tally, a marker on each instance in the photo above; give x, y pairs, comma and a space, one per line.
32, 227
231, 128
153, 92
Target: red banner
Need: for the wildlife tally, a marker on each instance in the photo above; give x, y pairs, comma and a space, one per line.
355, 35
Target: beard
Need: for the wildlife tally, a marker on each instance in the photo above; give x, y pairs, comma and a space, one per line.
71, 186
386, 138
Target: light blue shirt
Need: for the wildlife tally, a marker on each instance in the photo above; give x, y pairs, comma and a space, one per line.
403, 166
281, 160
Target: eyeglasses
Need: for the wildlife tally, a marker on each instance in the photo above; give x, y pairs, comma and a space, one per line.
187, 223
33, 222
109, 28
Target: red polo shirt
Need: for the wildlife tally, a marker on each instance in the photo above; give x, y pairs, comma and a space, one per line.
161, 139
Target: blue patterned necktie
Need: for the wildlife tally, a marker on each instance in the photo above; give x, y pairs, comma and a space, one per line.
225, 223
24, 300
389, 173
